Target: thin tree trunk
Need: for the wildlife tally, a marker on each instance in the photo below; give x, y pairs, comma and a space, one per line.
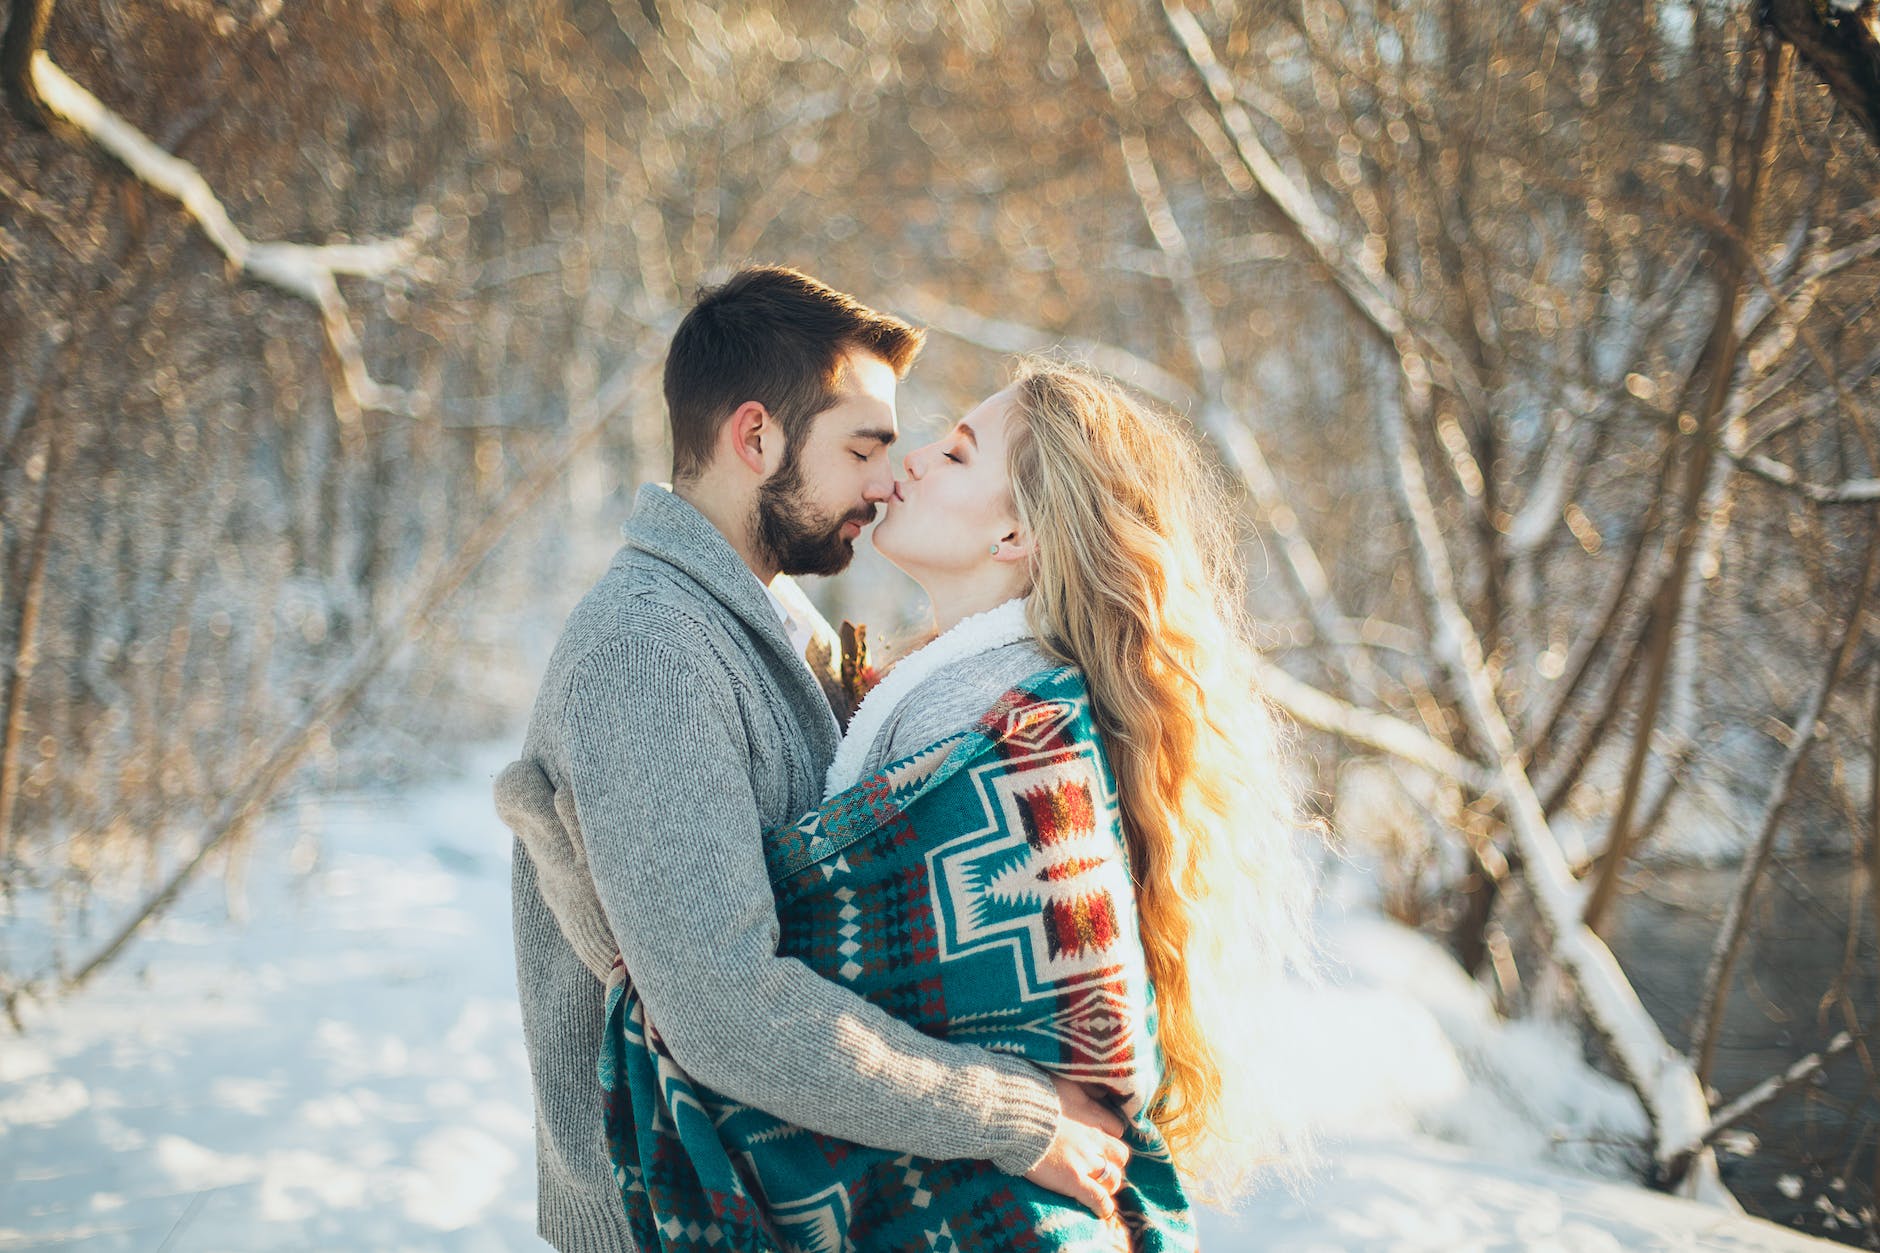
1589, 734
1718, 368
26, 638
1539, 747
1664, 1081
26, 31
1716, 996
1873, 811
1480, 433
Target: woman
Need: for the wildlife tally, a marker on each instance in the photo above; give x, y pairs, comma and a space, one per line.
1058, 829
1099, 512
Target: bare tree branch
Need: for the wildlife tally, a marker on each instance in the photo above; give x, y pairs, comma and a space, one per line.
999, 335
1363, 289
1230, 434
303, 270
1615, 628
1770, 1089
1371, 729
1800, 411
1768, 469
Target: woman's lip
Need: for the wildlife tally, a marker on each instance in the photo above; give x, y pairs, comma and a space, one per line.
897, 492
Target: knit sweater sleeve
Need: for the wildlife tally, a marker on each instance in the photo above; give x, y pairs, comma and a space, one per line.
952, 700
656, 762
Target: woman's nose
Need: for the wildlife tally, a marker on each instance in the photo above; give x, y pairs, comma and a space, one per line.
907, 464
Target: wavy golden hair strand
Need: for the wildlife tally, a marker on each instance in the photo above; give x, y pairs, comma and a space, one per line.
1135, 579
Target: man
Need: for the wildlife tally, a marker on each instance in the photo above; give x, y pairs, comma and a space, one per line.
680, 719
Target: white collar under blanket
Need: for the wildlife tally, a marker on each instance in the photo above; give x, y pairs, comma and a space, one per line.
979, 633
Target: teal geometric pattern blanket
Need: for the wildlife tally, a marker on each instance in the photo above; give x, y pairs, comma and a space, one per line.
979, 890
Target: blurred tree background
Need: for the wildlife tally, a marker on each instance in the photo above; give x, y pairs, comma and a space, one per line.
1541, 337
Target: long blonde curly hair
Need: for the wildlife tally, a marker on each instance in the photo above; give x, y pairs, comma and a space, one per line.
1136, 580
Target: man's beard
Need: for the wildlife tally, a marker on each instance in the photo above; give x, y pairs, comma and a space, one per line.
795, 536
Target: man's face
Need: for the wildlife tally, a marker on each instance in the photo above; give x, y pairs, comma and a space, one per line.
811, 510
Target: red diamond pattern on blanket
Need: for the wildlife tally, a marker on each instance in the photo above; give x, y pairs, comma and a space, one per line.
1038, 723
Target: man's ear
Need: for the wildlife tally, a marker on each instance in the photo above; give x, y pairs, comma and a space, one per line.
753, 437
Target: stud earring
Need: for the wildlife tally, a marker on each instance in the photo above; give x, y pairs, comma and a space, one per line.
995, 550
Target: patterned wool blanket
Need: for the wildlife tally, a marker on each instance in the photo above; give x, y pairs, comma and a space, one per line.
979, 890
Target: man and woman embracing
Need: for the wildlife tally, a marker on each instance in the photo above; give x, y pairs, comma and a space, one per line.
971, 973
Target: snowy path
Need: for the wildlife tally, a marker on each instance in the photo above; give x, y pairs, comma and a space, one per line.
344, 1070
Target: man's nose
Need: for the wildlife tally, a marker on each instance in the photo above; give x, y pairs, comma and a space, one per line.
880, 486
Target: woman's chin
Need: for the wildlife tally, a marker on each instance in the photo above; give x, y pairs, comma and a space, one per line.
884, 541
891, 550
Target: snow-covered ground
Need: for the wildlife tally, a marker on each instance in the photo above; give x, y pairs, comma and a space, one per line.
341, 1068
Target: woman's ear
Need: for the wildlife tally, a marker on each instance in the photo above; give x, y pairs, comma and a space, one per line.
753, 437
1014, 546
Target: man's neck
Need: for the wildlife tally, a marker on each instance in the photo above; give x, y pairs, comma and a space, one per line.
732, 519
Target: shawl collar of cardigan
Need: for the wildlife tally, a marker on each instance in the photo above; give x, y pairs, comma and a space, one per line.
665, 527
669, 530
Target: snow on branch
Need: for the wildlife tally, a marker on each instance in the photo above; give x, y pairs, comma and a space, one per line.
304, 270
1391, 736
1849, 492
1769, 1089
999, 335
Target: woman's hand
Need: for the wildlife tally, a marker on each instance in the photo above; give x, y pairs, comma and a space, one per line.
1086, 1158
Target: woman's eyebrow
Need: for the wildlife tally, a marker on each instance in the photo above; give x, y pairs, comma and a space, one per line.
967, 431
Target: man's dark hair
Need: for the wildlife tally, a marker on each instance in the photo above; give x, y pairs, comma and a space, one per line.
776, 336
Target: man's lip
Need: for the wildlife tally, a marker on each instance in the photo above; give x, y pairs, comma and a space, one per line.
852, 523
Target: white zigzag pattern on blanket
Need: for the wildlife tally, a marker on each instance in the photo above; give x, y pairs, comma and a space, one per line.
973, 878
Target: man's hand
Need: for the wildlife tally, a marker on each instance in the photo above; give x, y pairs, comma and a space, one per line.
1086, 1158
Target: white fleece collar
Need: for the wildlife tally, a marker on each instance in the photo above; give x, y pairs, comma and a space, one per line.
978, 633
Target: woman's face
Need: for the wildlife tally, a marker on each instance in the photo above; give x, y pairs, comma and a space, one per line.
955, 502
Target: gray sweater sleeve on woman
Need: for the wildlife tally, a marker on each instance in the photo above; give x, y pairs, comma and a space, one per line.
953, 699
657, 758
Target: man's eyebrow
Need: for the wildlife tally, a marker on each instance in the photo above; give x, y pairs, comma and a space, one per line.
880, 434
969, 433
